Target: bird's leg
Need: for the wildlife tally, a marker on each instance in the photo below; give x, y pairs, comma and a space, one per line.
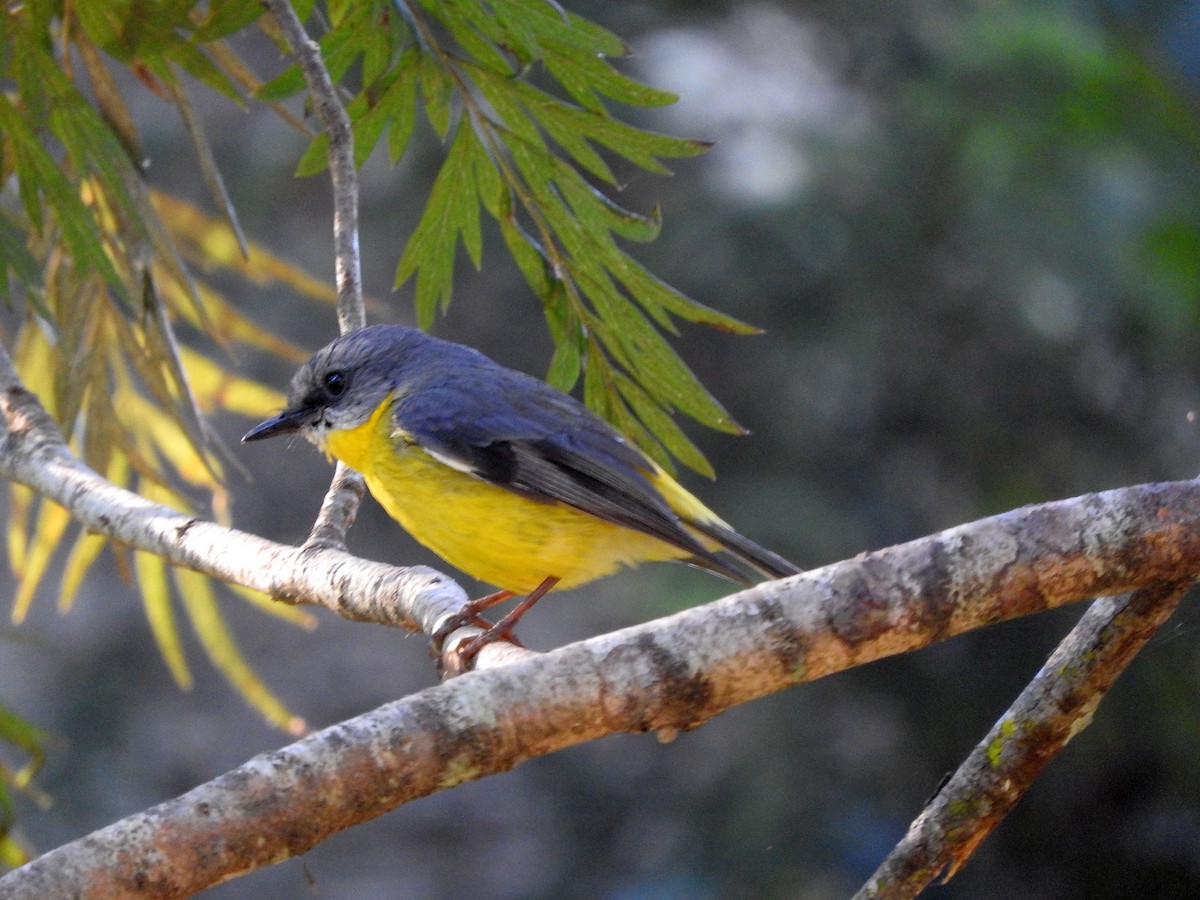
469, 614
504, 628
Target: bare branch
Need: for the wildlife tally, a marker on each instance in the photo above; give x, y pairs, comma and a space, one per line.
338, 510
347, 489
1055, 706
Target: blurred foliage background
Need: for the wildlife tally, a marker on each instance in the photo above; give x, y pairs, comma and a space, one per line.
972, 234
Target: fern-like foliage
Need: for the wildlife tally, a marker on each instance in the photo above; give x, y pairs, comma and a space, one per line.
520, 93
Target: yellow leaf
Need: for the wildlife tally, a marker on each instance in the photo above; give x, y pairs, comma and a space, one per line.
52, 521
214, 244
88, 545
12, 854
196, 591
34, 358
293, 614
20, 504
222, 320
87, 548
157, 431
156, 598
216, 387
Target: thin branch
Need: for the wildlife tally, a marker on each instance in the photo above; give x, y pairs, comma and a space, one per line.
207, 161
338, 510
347, 489
1052, 709
335, 122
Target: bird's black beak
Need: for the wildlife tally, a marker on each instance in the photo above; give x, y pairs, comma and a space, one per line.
287, 422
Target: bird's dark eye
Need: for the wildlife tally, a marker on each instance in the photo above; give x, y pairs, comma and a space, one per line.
335, 383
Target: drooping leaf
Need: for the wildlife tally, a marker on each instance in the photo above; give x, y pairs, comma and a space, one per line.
293, 615
86, 551
156, 599
48, 529
452, 211
200, 603
222, 18
28, 738
211, 245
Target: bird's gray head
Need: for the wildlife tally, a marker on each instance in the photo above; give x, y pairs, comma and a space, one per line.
344, 382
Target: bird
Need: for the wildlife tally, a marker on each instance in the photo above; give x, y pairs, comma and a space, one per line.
508, 479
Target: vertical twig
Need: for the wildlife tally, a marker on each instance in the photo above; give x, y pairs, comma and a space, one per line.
335, 123
1052, 709
346, 492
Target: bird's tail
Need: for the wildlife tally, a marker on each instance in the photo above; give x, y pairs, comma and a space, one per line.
745, 550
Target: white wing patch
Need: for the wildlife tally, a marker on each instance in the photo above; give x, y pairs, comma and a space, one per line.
456, 464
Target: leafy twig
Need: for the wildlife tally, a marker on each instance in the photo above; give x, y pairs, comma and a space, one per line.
1055, 706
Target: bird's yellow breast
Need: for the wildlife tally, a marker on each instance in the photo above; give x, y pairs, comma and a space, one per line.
489, 532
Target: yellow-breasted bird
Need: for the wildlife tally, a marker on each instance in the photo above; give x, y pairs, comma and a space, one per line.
513, 482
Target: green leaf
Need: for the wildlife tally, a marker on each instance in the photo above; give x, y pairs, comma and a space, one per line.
16, 731
376, 54
224, 17
539, 18
15, 257
90, 144
391, 98
569, 339
104, 24
303, 8
315, 157
566, 125
193, 60
453, 209
343, 44
504, 96
525, 156
474, 28
436, 93
663, 427
286, 84
587, 77
645, 354
597, 213
530, 259
399, 106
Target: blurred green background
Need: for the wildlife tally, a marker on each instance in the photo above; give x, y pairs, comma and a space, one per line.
972, 234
